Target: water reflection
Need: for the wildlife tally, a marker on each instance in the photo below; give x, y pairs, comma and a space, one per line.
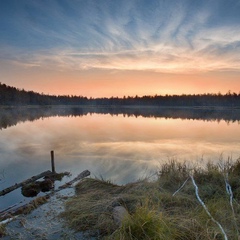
119, 148
10, 116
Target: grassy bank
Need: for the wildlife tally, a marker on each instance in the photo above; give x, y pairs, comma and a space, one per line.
183, 203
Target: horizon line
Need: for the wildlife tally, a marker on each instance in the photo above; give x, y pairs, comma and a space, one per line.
229, 92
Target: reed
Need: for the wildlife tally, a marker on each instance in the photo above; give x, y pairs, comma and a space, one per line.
183, 203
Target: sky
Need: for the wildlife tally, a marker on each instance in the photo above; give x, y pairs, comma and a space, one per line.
103, 48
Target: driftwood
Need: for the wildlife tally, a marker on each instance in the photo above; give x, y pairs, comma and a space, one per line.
30, 180
80, 176
13, 210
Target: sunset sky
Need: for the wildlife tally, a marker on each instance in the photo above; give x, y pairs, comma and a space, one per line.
103, 48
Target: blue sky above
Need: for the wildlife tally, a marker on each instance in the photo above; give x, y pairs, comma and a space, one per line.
181, 36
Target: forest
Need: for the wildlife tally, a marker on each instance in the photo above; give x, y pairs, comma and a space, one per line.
11, 96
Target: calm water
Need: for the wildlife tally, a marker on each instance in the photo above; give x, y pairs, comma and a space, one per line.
117, 147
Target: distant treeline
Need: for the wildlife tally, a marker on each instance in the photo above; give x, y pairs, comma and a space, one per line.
13, 96
10, 116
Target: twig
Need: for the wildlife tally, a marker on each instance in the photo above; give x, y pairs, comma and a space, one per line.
206, 209
180, 187
230, 193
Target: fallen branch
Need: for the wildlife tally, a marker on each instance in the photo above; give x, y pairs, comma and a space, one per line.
230, 193
206, 209
80, 176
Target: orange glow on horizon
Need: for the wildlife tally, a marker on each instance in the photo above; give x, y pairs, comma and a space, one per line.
125, 83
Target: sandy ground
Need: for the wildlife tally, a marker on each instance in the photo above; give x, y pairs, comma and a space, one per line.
44, 223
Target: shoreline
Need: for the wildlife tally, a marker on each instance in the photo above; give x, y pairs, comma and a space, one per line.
130, 106
178, 198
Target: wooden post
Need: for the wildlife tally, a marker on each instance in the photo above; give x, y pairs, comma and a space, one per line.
52, 162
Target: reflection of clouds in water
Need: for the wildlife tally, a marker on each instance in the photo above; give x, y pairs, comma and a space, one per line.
28, 149
152, 152
116, 170
123, 171
19, 168
118, 147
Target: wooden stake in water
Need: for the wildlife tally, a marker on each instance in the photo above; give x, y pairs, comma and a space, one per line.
52, 162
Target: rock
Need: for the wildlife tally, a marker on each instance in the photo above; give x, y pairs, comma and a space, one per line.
46, 185
119, 213
31, 190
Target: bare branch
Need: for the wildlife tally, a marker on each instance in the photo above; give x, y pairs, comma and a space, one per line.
206, 209
180, 187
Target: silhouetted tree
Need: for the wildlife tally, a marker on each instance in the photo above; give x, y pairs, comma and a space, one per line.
13, 96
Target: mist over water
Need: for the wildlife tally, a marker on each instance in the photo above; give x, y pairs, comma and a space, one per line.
119, 147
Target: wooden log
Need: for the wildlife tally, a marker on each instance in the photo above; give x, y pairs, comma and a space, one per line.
80, 176
30, 180
14, 210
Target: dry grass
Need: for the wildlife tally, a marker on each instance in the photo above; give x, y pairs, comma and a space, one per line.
2, 230
26, 209
95, 200
154, 213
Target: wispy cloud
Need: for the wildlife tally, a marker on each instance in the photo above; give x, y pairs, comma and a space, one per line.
177, 36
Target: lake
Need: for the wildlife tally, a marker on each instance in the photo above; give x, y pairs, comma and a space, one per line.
118, 145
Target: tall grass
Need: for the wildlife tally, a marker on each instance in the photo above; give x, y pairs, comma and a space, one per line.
168, 208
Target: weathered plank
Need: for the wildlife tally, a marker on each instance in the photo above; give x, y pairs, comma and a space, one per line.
30, 180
